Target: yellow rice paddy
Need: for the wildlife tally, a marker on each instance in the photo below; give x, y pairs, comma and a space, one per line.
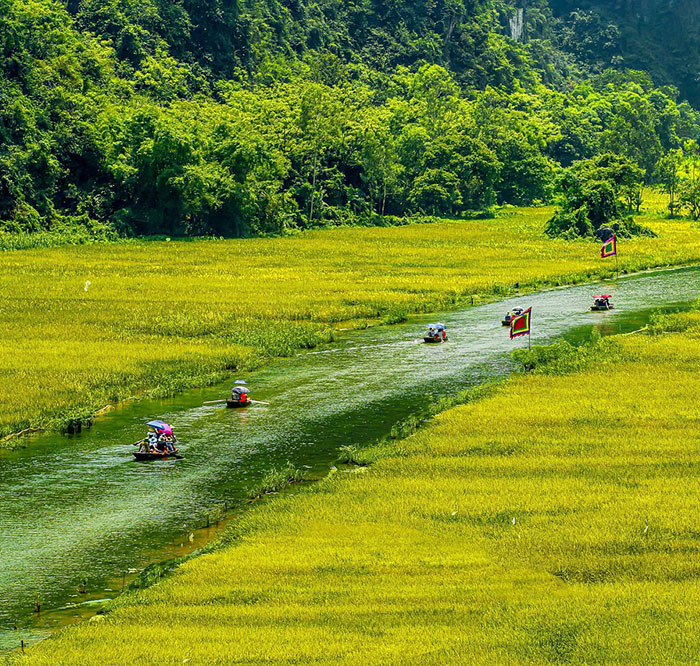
157, 317
554, 521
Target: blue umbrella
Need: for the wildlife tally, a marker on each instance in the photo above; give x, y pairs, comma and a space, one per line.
160, 425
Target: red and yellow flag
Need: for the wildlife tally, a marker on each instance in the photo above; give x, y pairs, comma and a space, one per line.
520, 325
609, 248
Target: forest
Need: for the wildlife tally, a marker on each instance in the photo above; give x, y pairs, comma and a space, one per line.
254, 117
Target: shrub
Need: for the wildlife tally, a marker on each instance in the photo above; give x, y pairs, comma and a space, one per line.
593, 198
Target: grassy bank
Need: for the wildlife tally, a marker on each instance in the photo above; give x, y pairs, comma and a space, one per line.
552, 521
162, 316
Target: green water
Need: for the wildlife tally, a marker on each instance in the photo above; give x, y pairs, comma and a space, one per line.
75, 508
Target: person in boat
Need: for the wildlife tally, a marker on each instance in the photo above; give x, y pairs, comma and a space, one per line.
239, 393
152, 439
159, 440
435, 333
150, 442
170, 441
166, 442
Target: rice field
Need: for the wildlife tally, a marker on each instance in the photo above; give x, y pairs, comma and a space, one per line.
552, 520
81, 327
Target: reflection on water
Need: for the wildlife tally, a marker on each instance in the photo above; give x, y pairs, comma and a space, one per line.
79, 508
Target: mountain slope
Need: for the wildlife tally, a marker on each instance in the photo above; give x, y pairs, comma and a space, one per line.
659, 36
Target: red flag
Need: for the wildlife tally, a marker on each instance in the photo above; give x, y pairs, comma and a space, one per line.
520, 325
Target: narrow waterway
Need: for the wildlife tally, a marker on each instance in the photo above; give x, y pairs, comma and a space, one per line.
78, 510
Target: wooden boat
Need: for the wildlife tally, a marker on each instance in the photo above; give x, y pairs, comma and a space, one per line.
155, 456
230, 402
433, 333
602, 303
510, 315
239, 395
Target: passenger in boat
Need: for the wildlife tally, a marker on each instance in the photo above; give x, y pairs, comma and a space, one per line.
170, 443
152, 439
444, 334
239, 394
160, 444
166, 442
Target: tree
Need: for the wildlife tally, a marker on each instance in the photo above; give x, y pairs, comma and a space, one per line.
593, 191
320, 125
668, 174
436, 192
526, 175
380, 166
689, 196
632, 131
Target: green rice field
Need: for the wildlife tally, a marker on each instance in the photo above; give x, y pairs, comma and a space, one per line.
552, 519
157, 317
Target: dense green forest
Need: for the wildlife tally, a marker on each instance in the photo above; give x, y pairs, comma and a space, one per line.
225, 117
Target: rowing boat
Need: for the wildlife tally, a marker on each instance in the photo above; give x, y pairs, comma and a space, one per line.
155, 456
230, 402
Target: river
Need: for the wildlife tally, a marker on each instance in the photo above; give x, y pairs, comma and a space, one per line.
78, 510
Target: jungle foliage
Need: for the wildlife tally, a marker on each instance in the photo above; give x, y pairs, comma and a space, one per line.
261, 116
658, 36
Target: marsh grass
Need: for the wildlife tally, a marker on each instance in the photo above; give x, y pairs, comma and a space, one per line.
275, 480
552, 519
351, 454
159, 317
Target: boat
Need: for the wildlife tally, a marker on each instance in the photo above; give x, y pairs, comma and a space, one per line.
163, 429
602, 303
156, 456
230, 402
239, 396
435, 333
509, 316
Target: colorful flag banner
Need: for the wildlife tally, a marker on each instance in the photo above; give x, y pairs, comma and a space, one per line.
520, 325
609, 248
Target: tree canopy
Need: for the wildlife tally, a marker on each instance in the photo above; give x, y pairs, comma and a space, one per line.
250, 117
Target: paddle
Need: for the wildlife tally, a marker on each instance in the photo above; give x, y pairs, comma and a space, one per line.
218, 402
